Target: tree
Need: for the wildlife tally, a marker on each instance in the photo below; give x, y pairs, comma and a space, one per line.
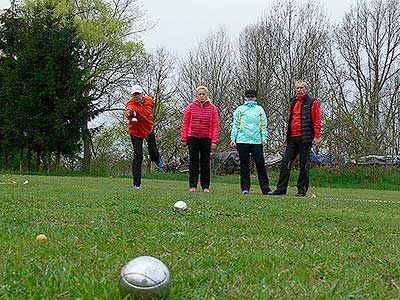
42, 87
108, 53
108, 30
298, 34
256, 63
363, 71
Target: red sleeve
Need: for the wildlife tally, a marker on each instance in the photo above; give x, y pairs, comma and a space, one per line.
316, 117
128, 107
185, 124
215, 126
145, 112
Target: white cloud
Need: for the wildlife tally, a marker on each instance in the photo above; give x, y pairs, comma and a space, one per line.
182, 23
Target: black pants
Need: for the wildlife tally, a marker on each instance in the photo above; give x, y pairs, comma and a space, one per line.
138, 155
256, 151
295, 147
199, 161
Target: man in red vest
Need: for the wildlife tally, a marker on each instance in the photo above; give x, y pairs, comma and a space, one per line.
139, 112
304, 129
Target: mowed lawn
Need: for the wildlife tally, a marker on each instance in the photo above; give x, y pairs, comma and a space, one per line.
340, 244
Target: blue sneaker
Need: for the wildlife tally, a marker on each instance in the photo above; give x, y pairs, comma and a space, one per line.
137, 187
159, 164
245, 192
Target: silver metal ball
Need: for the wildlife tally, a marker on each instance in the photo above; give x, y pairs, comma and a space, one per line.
145, 277
180, 206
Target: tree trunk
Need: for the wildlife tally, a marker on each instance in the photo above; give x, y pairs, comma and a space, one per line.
87, 153
58, 161
21, 159
148, 165
29, 158
46, 164
37, 167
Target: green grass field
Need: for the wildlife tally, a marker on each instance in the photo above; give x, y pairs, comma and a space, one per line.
343, 244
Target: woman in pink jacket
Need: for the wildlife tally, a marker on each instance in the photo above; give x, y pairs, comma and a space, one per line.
200, 133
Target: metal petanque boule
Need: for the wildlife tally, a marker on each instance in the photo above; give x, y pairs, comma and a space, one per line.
145, 277
180, 206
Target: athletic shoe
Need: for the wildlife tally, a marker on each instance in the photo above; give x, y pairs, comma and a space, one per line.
245, 192
277, 193
206, 190
137, 187
300, 194
193, 189
159, 164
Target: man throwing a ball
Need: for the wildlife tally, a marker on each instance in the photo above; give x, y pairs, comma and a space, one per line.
139, 112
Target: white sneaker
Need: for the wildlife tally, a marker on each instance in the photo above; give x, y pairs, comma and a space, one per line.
137, 187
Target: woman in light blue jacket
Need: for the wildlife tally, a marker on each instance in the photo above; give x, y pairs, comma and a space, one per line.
249, 133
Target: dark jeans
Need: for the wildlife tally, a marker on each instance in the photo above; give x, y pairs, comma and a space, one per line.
199, 161
295, 147
138, 155
256, 151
